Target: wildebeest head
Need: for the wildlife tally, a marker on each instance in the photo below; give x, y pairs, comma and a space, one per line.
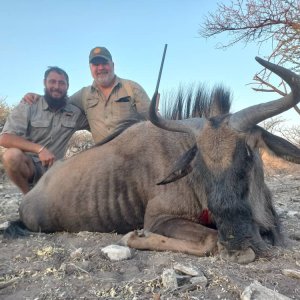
225, 155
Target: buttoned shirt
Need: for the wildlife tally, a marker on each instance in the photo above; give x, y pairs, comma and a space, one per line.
104, 113
39, 124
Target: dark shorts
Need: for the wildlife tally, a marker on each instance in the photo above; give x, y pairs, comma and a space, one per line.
39, 171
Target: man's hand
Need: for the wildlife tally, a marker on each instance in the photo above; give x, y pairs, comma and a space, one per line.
30, 98
46, 157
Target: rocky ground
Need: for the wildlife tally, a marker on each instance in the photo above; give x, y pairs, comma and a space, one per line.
72, 266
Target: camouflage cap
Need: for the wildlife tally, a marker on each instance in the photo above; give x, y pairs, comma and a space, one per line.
100, 52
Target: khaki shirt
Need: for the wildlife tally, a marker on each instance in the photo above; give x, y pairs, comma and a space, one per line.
104, 114
38, 124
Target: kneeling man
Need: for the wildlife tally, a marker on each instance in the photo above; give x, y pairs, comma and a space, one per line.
36, 135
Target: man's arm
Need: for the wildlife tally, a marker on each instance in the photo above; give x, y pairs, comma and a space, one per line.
8, 140
141, 99
14, 134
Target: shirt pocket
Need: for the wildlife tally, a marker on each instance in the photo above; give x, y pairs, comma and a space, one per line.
39, 130
93, 111
68, 123
123, 107
123, 100
91, 102
40, 123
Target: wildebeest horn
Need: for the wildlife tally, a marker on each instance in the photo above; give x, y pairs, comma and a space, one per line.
170, 125
185, 126
248, 117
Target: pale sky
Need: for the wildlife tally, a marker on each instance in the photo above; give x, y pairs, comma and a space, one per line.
35, 34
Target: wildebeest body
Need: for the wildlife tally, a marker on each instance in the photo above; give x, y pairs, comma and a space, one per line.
111, 187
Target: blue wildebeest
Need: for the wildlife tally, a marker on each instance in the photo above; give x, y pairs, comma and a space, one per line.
213, 199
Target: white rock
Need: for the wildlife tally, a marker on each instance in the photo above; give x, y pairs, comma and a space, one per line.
292, 213
116, 252
201, 280
4, 225
291, 273
169, 279
255, 291
187, 270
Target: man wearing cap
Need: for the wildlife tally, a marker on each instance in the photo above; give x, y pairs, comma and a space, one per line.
110, 98
36, 135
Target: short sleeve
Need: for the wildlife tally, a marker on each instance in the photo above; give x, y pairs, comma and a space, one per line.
18, 120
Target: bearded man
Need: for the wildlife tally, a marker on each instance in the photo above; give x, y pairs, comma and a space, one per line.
36, 135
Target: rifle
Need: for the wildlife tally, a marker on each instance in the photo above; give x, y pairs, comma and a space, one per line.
156, 94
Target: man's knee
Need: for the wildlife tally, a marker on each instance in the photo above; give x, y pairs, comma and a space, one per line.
12, 158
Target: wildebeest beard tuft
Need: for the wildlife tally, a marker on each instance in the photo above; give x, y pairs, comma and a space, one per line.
228, 201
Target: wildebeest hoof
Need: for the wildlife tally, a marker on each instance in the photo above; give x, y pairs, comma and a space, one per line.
141, 232
239, 256
128, 236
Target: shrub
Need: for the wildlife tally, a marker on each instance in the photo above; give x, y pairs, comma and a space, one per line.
4, 111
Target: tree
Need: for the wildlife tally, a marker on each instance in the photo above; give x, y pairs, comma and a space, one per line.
272, 22
276, 125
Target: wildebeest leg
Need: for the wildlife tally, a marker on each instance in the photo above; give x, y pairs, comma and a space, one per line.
153, 241
169, 233
187, 230
157, 242
179, 235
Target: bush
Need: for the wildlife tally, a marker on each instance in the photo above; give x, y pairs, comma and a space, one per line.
4, 111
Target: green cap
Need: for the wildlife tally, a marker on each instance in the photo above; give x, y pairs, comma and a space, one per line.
100, 52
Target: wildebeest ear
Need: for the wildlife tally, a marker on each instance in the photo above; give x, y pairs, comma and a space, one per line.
281, 147
276, 145
182, 166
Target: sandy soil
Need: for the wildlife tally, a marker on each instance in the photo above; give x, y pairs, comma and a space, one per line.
72, 266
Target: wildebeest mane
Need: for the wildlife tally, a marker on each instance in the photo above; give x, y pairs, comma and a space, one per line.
196, 102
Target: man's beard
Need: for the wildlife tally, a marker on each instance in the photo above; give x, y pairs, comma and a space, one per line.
55, 103
105, 79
